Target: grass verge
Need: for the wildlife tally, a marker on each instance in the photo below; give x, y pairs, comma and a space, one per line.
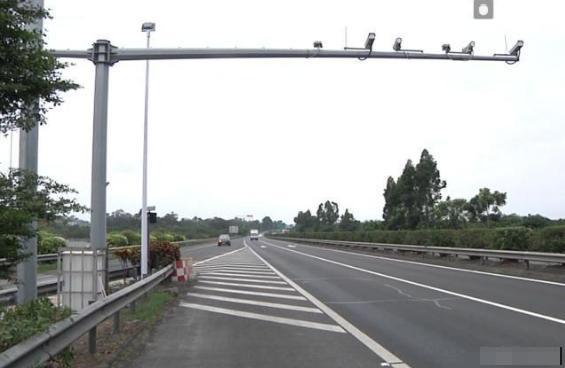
116, 349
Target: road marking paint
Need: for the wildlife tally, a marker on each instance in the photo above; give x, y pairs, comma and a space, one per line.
218, 256
262, 246
239, 279
271, 295
234, 265
554, 283
247, 285
237, 275
429, 287
255, 302
291, 246
374, 346
244, 271
265, 317
264, 270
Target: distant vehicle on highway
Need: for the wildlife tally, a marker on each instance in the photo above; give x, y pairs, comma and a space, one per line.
254, 234
224, 239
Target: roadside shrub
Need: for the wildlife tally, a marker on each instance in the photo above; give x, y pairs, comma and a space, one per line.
21, 322
49, 243
167, 237
550, 239
179, 237
513, 238
161, 253
519, 238
116, 240
134, 238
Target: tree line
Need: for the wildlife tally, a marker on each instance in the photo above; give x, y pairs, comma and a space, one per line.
414, 201
327, 218
189, 228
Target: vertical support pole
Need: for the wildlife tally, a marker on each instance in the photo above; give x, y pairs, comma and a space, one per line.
102, 59
27, 269
144, 219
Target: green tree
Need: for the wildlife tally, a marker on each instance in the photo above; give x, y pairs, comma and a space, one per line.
328, 214
20, 204
411, 199
536, 221
485, 206
305, 221
428, 186
347, 221
451, 213
267, 223
28, 72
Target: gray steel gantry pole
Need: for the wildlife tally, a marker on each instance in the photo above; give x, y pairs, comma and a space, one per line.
101, 56
26, 271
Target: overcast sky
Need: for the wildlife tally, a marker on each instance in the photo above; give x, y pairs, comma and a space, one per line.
271, 137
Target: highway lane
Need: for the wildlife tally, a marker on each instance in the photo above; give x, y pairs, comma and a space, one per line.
205, 251
538, 296
423, 326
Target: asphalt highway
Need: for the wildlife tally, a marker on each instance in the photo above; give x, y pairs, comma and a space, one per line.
271, 303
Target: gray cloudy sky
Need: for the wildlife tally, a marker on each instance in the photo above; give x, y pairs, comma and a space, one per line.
270, 137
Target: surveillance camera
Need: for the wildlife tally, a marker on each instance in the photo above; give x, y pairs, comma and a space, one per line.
318, 44
446, 47
515, 50
397, 44
370, 41
469, 48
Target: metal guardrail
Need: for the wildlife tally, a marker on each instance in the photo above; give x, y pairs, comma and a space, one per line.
40, 348
484, 254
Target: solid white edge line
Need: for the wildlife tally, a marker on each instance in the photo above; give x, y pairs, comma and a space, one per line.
464, 296
218, 256
238, 279
256, 302
246, 285
265, 317
374, 346
236, 291
554, 283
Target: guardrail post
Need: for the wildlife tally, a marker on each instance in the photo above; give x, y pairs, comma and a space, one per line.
527, 263
92, 337
483, 260
116, 324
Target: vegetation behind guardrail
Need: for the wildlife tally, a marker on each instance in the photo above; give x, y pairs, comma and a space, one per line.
547, 239
47, 344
